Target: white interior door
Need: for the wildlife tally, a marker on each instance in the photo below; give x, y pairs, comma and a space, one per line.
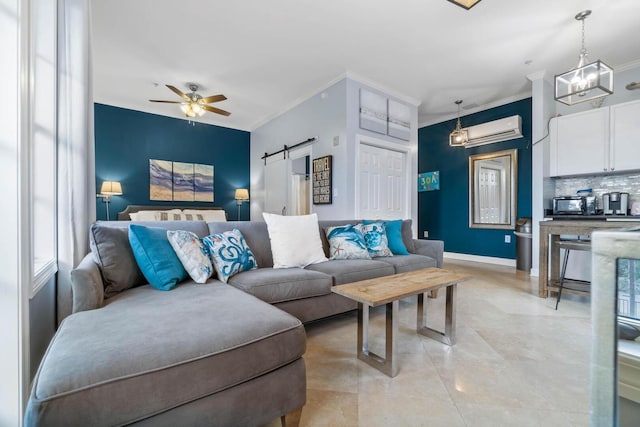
275, 185
382, 183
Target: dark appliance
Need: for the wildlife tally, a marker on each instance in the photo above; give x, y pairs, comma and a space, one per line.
615, 203
570, 205
591, 205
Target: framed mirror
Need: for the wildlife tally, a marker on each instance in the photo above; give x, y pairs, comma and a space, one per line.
493, 190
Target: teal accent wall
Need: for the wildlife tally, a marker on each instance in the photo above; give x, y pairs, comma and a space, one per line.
445, 213
125, 140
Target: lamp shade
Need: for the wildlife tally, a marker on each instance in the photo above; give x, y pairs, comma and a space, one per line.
112, 188
242, 194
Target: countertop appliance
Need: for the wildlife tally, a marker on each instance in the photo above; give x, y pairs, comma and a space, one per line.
571, 205
615, 203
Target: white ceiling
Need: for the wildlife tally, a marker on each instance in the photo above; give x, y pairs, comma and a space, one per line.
266, 56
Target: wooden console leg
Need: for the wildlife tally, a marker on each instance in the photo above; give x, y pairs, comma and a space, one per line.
292, 419
433, 294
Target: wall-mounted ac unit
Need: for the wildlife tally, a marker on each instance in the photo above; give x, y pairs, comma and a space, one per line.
495, 131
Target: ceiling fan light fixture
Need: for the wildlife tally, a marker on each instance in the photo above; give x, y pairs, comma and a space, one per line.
587, 81
193, 104
459, 137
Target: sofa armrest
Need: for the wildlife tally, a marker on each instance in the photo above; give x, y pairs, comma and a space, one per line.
86, 285
430, 248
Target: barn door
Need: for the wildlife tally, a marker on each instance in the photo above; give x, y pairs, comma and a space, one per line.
275, 185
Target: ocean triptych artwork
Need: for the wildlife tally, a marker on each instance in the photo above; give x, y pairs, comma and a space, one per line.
178, 181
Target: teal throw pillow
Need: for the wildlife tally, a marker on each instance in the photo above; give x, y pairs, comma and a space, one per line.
193, 254
394, 236
346, 242
229, 254
155, 257
375, 237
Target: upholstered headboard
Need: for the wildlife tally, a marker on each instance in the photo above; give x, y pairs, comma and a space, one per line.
124, 215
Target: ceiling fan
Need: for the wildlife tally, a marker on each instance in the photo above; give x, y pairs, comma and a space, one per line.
194, 104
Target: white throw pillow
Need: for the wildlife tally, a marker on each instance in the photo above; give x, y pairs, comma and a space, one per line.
295, 240
168, 215
211, 215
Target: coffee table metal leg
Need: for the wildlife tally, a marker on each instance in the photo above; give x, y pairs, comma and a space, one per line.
449, 335
387, 365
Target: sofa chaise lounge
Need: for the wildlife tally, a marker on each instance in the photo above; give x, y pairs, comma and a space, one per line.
200, 354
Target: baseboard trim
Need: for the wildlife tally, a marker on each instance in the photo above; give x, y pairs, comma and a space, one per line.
478, 258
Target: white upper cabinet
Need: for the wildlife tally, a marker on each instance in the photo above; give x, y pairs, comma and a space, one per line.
595, 141
625, 136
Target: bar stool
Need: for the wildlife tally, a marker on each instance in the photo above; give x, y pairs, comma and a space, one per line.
568, 246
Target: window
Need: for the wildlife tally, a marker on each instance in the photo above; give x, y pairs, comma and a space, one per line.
43, 142
629, 289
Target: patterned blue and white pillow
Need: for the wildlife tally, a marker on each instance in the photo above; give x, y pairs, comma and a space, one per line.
229, 254
346, 242
375, 237
193, 254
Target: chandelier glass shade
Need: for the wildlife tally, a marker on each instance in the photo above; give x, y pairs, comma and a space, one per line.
192, 109
586, 82
459, 137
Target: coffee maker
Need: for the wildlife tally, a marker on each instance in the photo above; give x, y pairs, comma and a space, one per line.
615, 203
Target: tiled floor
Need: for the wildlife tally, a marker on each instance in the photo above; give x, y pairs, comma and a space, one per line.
517, 362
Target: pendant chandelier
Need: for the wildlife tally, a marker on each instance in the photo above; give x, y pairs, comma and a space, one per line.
587, 81
459, 136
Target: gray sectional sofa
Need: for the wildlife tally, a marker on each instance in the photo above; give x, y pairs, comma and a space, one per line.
200, 354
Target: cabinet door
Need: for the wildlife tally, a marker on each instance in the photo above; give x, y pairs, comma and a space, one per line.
625, 142
581, 143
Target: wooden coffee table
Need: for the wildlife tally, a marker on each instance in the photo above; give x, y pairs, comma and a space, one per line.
389, 290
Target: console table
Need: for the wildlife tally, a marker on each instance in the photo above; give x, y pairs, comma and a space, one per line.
550, 232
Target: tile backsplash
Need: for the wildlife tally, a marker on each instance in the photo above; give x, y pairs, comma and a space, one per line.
628, 183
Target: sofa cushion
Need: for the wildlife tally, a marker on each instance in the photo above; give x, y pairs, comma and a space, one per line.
411, 262
255, 234
324, 224
156, 258
229, 253
346, 242
193, 254
393, 229
352, 270
295, 240
111, 250
160, 350
275, 285
375, 237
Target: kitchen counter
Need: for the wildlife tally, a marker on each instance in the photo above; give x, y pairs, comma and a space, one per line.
550, 231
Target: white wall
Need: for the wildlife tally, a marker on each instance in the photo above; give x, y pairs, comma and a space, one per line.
355, 133
331, 113
324, 116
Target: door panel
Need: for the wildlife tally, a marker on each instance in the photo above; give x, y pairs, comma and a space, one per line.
275, 186
382, 183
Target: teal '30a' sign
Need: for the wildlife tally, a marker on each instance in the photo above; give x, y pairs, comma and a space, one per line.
429, 181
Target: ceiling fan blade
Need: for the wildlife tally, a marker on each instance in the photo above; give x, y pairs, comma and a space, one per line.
214, 98
168, 102
178, 92
216, 110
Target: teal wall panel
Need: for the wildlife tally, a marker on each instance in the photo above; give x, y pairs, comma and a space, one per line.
445, 213
125, 140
